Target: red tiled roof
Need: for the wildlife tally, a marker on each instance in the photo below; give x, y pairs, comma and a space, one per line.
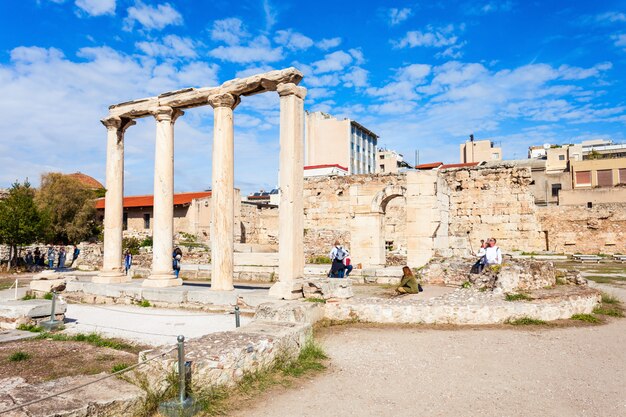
467, 164
86, 180
325, 166
148, 200
429, 165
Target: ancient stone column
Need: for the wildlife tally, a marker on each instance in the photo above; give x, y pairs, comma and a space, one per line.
291, 183
162, 274
223, 192
112, 270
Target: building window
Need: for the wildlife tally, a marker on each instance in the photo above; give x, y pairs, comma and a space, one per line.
382, 168
125, 221
583, 178
561, 157
605, 178
389, 245
495, 155
146, 221
555, 190
382, 156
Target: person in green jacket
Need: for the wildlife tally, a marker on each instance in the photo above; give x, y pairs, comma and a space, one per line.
409, 284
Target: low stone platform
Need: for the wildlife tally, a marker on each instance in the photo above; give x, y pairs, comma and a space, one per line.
14, 313
189, 295
466, 307
111, 397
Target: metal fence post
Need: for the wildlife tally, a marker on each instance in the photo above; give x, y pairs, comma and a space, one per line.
53, 323
181, 369
237, 317
185, 405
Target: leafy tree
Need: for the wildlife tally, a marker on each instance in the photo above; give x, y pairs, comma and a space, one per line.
21, 223
69, 206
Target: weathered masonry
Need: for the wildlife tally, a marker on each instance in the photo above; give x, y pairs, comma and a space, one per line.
168, 107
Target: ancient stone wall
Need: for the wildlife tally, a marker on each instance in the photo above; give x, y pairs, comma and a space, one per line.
492, 202
259, 225
578, 229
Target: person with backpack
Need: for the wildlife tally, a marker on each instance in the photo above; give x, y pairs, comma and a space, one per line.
128, 261
337, 255
75, 254
51, 257
177, 255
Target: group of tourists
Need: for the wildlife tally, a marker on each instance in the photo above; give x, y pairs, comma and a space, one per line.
177, 255
52, 258
489, 254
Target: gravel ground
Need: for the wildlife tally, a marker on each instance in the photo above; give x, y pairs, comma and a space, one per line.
402, 371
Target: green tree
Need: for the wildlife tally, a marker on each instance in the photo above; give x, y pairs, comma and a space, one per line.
69, 206
21, 223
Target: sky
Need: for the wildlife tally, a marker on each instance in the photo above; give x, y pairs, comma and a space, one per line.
423, 75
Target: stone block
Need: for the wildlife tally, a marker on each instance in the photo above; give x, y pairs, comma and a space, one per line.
171, 295
47, 285
327, 288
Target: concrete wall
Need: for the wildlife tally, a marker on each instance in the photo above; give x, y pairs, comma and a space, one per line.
595, 165
581, 197
479, 150
327, 140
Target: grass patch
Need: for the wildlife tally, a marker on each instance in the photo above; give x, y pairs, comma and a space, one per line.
525, 321
48, 296
610, 299
608, 311
466, 285
600, 279
320, 260
19, 356
28, 297
315, 300
92, 338
517, 297
119, 367
144, 303
587, 318
30, 328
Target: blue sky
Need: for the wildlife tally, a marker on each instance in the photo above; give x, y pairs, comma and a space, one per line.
422, 75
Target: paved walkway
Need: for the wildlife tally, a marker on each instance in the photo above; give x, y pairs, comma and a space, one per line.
147, 325
406, 372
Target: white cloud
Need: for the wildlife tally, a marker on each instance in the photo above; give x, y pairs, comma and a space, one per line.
319, 93
96, 7
576, 73
253, 71
355, 77
152, 17
293, 40
404, 85
620, 41
357, 54
230, 31
611, 17
397, 16
335, 61
271, 15
431, 37
172, 46
328, 43
491, 7
259, 50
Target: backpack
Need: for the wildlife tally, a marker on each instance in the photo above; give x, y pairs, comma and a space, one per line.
340, 255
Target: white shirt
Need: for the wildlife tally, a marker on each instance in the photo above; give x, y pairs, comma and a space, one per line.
333, 253
493, 256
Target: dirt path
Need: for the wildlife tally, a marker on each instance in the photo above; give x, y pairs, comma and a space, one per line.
409, 372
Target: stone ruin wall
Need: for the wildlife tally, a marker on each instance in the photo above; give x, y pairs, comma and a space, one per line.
491, 202
578, 229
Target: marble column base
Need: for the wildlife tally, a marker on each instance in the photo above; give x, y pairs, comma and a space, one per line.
111, 277
287, 290
161, 281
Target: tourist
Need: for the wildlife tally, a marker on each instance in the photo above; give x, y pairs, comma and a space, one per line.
62, 256
38, 259
29, 260
408, 284
348, 263
128, 261
478, 267
337, 255
75, 254
51, 257
493, 255
177, 256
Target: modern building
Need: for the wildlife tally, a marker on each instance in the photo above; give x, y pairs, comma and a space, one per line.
388, 161
479, 150
271, 197
324, 170
329, 141
192, 213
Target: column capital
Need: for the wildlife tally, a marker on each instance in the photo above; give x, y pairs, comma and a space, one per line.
224, 100
288, 89
165, 113
117, 123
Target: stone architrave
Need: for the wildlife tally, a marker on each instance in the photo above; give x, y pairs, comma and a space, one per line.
163, 229
223, 192
112, 270
291, 183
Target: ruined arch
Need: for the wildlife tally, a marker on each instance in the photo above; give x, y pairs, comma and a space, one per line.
383, 197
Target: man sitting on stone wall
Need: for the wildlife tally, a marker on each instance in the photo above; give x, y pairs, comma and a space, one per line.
493, 255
